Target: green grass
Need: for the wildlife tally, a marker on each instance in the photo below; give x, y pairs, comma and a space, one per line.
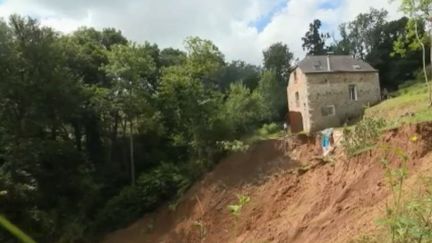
267, 132
408, 105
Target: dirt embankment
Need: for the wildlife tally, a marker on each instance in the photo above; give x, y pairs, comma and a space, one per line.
294, 196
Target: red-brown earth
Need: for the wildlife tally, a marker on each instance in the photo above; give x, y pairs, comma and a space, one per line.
295, 195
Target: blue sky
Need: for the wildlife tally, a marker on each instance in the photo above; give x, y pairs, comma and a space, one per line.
266, 18
241, 29
279, 5
330, 4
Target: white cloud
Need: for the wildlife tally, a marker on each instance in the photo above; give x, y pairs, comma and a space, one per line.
225, 22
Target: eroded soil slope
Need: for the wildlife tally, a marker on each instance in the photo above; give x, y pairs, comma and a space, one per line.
294, 196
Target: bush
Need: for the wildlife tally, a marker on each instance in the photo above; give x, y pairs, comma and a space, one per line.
363, 135
234, 146
164, 182
243, 110
268, 129
406, 219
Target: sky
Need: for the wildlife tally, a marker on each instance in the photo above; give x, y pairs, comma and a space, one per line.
241, 29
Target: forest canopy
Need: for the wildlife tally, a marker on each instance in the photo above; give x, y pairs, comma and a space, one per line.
96, 130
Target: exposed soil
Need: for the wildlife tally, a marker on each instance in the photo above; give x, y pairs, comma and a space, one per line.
294, 196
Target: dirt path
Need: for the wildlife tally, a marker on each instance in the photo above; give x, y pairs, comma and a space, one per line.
326, 202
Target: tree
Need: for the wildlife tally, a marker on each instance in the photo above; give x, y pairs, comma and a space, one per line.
74, 105
273, 82
111, 36
190, 111
171, 57
244, 109
39, 96
314, 41
393, 69
129, 67
364, 33
238, 72
343, 46
274, 95
203, 59
419, 12
278, 58
370, 37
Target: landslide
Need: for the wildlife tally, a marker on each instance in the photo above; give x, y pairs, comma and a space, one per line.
295, 195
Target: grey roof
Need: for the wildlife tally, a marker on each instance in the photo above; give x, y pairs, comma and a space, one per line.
333, 63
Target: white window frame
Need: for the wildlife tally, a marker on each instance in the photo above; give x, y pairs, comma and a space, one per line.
355, 98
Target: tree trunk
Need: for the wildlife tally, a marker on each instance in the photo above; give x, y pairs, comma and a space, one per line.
124, 147
429, 85
77, 133
132, 159
424, 61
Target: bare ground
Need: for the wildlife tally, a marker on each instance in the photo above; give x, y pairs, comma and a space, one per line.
294, 196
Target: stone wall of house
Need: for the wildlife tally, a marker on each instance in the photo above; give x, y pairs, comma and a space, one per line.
328, 90
297, 83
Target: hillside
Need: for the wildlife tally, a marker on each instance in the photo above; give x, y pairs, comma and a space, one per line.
294, 197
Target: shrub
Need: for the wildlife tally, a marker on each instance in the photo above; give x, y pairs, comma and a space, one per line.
406, 220
268, 129
234, 146
235, 209
363, 135
161, 183
243, 109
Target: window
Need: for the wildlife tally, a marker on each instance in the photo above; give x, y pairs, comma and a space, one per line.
352, 89
328, 110
356, 67
297, 99
295, 76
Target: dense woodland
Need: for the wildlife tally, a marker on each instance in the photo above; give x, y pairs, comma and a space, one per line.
96, 130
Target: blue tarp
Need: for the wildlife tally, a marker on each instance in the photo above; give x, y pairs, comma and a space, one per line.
325, 140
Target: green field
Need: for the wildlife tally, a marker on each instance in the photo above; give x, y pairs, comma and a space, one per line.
407, 105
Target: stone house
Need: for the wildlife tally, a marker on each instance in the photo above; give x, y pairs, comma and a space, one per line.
327, 91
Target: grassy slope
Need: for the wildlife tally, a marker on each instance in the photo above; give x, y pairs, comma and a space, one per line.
408, 105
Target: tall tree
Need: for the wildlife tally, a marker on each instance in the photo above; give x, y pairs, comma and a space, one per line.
39, 96
342, 46
364, 32
274, 96
238, 71
278, 58
130, 68
393, 69
171, 57
273, 83
419, 12
314, 41
203, 59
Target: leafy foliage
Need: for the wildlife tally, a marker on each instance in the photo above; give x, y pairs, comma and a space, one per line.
235, 209
363, 135
406, 220
278, 58
372, 38
82, 113
314, 41
235, 146
161, 183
